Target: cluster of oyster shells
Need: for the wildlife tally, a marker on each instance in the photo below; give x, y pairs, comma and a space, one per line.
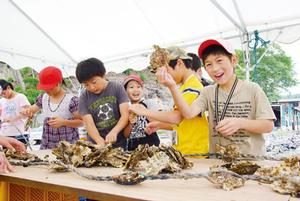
159, 58
229, 152
288, 173
87, 154
149, 159
154, 160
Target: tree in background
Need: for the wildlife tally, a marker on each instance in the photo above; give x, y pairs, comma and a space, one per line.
274, 73
30, 80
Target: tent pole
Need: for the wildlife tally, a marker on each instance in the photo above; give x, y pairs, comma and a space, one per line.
247, 55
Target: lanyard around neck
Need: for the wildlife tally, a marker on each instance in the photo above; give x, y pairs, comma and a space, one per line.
226, 103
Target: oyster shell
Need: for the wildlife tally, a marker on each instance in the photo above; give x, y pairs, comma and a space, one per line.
129, 178
159, 58
155, 160
87, 154
287, 186
229, 153
21, 156
226, 180
242, 167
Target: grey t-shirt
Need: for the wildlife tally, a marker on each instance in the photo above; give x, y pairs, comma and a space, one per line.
248, 101
104, 108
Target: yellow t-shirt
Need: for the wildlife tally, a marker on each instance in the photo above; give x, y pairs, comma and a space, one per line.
193, 133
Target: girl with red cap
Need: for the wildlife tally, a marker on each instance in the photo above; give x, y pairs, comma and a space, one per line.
59, 108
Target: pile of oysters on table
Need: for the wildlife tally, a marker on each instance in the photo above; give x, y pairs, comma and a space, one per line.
151, 160
284, 177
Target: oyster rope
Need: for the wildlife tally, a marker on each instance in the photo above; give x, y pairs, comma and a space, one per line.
241, 157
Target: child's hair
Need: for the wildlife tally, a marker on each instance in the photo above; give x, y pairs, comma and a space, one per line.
187, 63
196, 63
4, 84
89, 68
214, 49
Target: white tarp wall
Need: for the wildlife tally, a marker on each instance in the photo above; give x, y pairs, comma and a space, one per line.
121, 32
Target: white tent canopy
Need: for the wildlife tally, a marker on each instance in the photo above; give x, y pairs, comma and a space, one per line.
121, 32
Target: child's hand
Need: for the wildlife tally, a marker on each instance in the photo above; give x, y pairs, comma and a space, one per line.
165, 78
151, 127
26, 112
111, 137
12, 144
5, 167
56, 122
229, 126
138, 109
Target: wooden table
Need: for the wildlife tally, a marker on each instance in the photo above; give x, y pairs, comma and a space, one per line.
171, 189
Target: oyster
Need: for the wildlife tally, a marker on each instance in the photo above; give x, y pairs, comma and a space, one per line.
287, 186
229, 153
129, 178
226, 180
21, 156
155, 160
159, 58
87, 154
242, 167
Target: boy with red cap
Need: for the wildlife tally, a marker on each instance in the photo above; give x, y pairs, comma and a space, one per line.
239, 111
103, 104
135, 130
59, 108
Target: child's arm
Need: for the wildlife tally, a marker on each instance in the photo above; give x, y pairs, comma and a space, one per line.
132, 119
156, 125
30, 110
123, 121
188, 112
92, 130
229, 126
173, 117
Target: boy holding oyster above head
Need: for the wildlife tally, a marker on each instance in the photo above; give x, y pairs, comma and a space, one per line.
191, 134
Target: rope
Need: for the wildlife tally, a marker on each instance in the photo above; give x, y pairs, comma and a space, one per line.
257, 41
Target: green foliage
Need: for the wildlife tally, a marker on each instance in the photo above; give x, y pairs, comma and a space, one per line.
274, 72
68, 83
142, 76
30, 82
128, 71
25, 71
31, 94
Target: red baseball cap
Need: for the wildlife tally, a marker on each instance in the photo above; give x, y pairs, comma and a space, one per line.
132, 77
218, 42
49, 77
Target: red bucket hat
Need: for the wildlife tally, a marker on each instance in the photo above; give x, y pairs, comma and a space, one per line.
132, 77
49, 77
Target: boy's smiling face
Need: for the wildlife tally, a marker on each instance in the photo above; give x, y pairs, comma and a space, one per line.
95, 85
134, 91
220, 67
